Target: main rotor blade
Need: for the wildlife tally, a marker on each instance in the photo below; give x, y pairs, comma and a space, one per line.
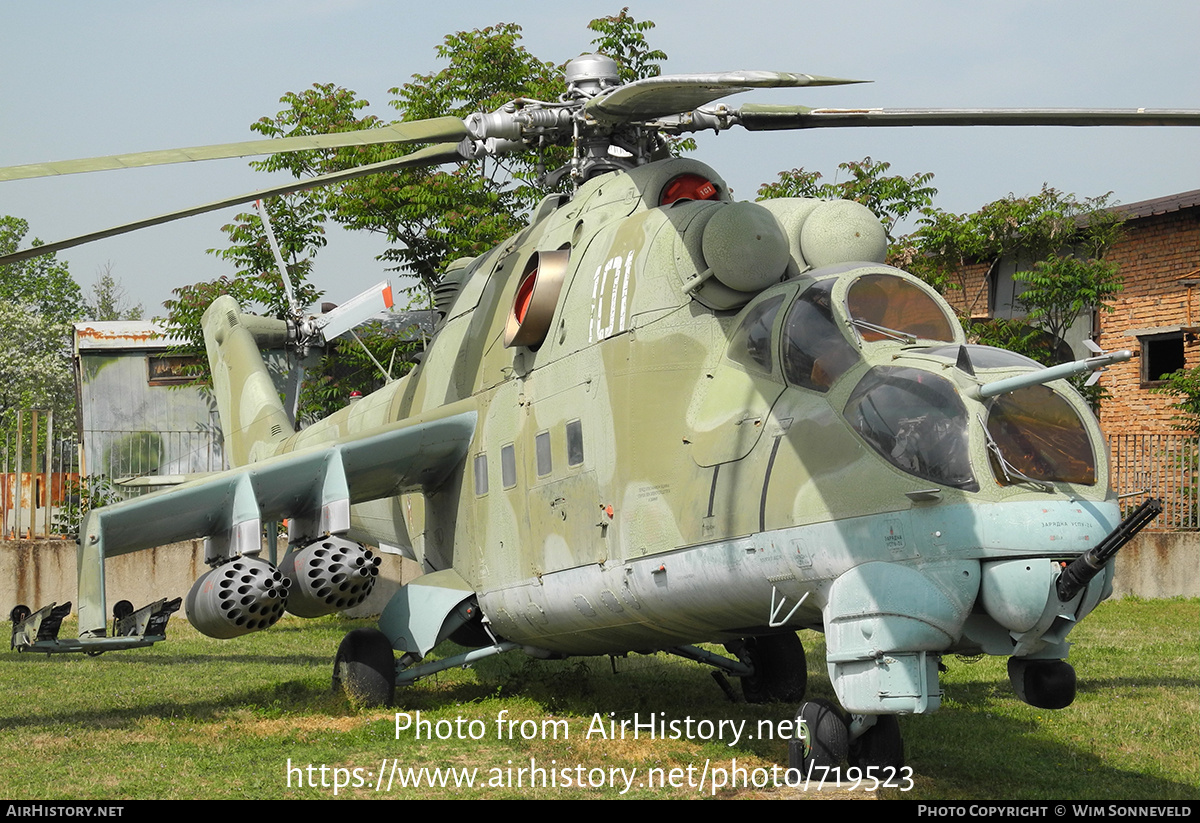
661, 96
757, 117
429, 156
436, 130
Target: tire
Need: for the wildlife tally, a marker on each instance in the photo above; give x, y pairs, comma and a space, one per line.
365, 669
880, 746
825, 741
780, 669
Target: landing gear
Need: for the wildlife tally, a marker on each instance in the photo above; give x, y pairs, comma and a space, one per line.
780, 670
822, 737
879, 746
365, 668
824, 740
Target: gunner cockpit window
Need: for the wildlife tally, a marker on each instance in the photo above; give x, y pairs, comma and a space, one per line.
916, 421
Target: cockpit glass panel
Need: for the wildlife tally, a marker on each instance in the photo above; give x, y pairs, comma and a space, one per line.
751, 344
891, 304
1040, 436
814, 351
916, 421
982, 357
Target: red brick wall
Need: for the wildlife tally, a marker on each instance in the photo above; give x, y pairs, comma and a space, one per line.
971, 299
1156, 253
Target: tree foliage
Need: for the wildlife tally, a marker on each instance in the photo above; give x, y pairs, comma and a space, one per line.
1185, 386
108, 300
38, 303
1050, 224
624, 40
41, 283
429, 216
35, 362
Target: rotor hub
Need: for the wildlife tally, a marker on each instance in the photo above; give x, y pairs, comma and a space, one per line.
590, 74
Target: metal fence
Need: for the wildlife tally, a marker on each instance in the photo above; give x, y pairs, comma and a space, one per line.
132, 454
39, 473
1160, 465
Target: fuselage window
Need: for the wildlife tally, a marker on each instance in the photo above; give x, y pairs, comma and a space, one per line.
541, 450
481, 474
814, 351
752, 342
574, 443
508, 466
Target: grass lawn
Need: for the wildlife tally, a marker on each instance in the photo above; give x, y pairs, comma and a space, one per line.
202, 718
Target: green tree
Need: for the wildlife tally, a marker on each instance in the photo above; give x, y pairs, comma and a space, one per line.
41, 283
38, 303
429, 216
35, 363
108, 300
1185, 386
623, 38
1050, 224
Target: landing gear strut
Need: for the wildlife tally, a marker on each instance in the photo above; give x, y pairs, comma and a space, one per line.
780, 669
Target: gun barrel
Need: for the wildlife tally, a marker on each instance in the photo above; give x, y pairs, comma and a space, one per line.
1083, 568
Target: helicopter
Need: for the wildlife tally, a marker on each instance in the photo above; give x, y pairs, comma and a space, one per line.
655, 418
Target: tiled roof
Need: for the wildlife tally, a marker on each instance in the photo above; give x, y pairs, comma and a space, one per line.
1159, 205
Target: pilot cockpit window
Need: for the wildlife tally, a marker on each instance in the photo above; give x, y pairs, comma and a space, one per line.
1040, 436
916, 421
752, 343
814, 351
886, 307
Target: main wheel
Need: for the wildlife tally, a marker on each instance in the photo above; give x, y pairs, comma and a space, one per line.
823, 737
365, 668
780, 670
880, 746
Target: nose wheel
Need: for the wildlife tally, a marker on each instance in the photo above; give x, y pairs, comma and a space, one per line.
879, 746
822, 738
825, 740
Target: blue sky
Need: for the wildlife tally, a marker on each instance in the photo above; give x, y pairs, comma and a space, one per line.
90, 78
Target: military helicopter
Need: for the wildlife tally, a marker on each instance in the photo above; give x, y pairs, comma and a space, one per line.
654, 418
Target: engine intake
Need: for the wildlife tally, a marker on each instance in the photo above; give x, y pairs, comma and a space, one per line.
236, 598
328, 575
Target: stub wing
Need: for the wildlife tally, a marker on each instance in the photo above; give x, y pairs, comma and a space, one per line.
315, 486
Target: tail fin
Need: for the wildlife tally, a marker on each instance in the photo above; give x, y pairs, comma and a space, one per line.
252, 415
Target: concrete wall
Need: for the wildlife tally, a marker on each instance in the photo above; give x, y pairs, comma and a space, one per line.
38, 572
1159, 564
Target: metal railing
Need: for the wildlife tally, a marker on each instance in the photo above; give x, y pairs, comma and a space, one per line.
1162, 465
38, 473
132, 454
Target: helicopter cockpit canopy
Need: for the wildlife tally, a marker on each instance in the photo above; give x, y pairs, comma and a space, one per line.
813, 333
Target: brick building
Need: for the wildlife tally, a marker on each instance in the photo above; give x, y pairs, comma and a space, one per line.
1158, 314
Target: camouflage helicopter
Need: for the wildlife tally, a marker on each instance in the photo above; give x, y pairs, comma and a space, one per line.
654, 418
